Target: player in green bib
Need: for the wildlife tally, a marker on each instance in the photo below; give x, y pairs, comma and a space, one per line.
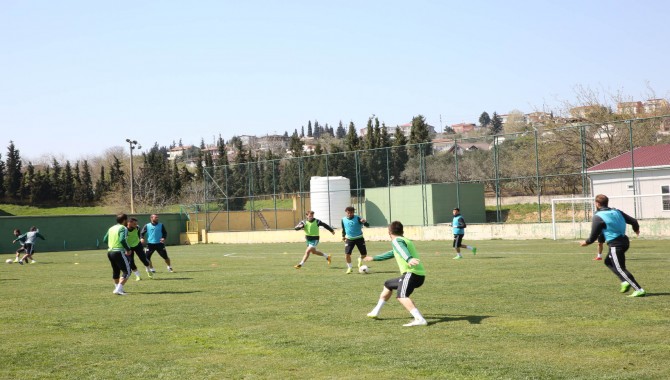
311, 227
413, 274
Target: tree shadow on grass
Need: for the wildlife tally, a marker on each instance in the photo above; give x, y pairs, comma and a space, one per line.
9, 279
171, 292
473, 319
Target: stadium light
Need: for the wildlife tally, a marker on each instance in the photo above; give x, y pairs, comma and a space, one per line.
133, 145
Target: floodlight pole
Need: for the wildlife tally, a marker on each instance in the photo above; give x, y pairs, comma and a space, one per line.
132, 144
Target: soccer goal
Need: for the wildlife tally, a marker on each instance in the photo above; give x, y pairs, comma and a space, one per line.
571, 217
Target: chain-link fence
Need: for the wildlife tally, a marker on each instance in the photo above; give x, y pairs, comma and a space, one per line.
519, 174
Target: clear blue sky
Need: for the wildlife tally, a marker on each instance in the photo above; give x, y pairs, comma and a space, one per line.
79, 77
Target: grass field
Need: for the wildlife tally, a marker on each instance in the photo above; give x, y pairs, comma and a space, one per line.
519, 309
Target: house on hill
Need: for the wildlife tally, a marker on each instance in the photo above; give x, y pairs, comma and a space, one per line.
645, 172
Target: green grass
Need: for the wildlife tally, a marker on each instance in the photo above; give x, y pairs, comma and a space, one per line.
17, 210
518, 309
264, 204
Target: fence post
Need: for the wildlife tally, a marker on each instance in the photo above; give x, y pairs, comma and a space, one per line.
537, 179
632, 164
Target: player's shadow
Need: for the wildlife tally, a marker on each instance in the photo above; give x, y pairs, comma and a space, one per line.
171, 292
656, 294
173, 279
473, 319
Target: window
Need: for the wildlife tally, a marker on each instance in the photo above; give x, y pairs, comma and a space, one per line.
666, 198
631, 187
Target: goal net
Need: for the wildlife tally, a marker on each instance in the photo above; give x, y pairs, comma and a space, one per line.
571, 217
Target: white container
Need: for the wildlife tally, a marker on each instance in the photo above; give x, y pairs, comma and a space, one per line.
329, 197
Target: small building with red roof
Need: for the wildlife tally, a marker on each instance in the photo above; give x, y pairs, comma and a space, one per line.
644, 172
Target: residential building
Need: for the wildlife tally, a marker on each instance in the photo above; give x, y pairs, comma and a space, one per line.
615, 178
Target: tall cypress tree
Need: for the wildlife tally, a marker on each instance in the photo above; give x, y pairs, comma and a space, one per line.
13, 173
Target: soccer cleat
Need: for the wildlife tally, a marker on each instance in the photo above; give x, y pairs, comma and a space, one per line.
33, 262
137, 278
624, 287
372, 315
458, 257
349, 270
119, 292
359, 262
638, 293
170, 270
298, 266
151, 275
20, 262
597, 259
416, 322
329, 259
16, 260
152, 270
474, 250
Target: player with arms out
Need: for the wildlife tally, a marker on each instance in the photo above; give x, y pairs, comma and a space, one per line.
311, 226
30, 238
154, 235
413, 274
352, 235
612, 224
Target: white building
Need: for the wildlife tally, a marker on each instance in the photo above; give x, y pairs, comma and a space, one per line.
651, 176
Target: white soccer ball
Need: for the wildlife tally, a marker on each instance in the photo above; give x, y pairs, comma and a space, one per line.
9, 261
364, 269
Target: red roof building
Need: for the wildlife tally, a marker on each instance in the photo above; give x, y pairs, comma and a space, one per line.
643, 157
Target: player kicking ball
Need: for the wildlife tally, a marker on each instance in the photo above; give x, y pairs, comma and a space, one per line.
311, 226
413, 274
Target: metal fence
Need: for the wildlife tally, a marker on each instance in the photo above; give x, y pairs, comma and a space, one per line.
520, 172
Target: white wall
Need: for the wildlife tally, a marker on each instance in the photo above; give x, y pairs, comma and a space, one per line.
646, 182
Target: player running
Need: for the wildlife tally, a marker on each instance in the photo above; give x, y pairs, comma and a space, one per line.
29, 244
154, 235
118, 253
22, 244
413, 274
612, 224
311, 226
136, 248
458, 226
352, 235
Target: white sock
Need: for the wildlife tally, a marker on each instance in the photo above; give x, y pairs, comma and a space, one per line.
302, 263
325, 256
416, 314
378, 308
137, 273
118, 287
169, 267
349, 265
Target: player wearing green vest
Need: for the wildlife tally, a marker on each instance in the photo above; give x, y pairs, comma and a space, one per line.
413, 274
118, 253
311, 226
136, 248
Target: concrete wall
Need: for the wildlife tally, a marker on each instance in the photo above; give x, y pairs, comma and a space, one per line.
406, 204
651, 229
76, 232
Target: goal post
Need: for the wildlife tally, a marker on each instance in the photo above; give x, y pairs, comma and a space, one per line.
574, 212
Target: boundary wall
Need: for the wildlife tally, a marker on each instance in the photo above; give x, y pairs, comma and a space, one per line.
77, 232
649, 229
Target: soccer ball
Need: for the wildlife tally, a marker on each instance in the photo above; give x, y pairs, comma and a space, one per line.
9, 261
364, 269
